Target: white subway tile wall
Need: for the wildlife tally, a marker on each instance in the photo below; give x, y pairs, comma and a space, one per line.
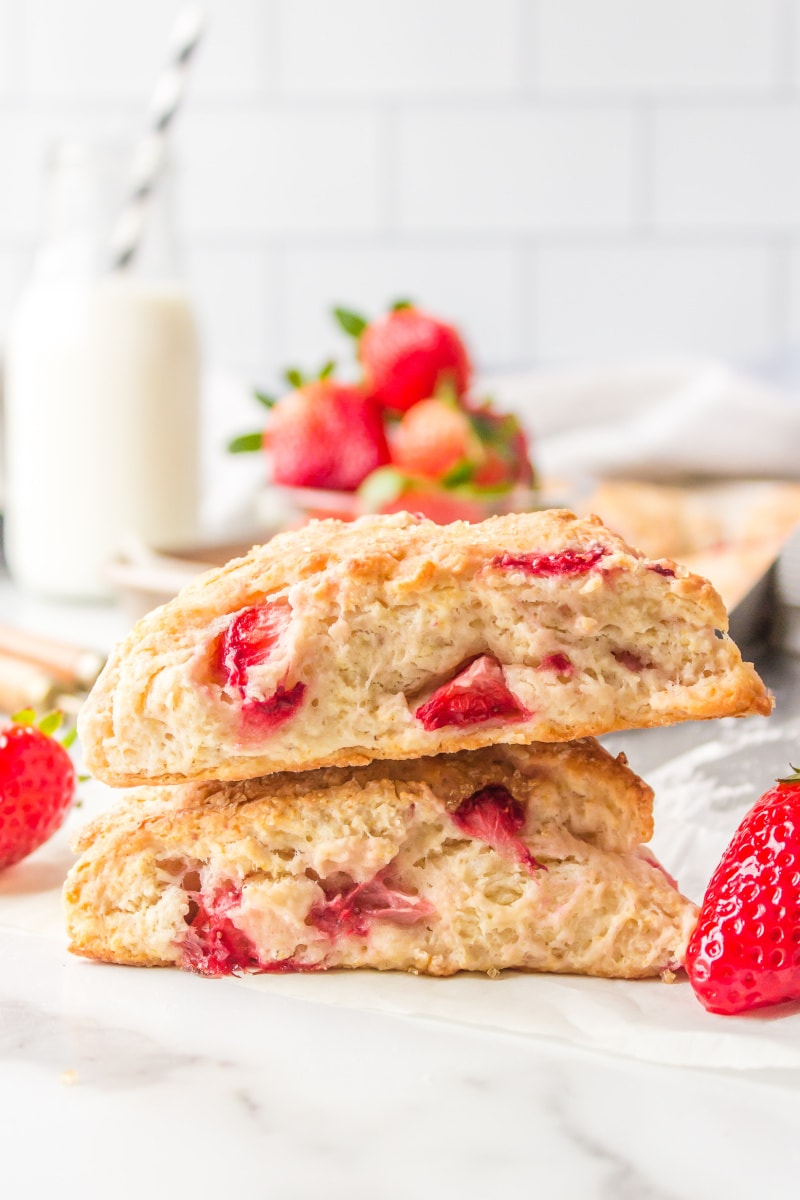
656, 46
571, 180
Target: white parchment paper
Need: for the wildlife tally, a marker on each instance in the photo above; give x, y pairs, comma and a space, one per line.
700, 797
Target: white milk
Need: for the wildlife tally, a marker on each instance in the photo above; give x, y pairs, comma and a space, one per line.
101, 397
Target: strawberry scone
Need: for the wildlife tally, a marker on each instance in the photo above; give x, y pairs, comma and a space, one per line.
392, 637
525, 857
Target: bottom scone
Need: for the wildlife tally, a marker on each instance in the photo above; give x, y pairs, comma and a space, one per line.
527, 857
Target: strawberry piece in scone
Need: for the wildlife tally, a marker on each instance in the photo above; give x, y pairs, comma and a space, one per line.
564, 562
494, 816
249, 642
349, 907
479, 693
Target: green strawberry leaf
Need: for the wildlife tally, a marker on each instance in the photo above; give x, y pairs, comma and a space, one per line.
462, 472
245, 442
51, 723
263, 398
485, 491
793, 778
69, 737
294, 378
26, 716
327, 370
445, 390
381, 487
399, 305
350, 322
495, 429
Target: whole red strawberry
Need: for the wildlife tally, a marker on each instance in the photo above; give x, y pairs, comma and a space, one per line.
433, 438
37, 786
323, 434
745, 950
407, 355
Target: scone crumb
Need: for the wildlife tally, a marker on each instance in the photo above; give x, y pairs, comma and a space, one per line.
493, 973
68, 1078
668, 976
413, 971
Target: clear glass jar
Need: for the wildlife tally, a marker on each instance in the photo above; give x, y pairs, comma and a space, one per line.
101, 387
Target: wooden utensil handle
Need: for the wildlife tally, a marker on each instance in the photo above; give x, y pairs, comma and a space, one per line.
71, 665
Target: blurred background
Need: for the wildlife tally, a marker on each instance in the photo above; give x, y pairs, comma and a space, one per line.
570, 180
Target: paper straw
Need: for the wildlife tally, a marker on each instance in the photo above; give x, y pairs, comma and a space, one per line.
149, 157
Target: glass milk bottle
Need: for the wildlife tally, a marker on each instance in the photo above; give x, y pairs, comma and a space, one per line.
101, 388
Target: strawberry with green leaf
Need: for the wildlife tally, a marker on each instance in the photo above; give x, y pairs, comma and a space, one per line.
436, 439
37, 784
407, 355
456, 443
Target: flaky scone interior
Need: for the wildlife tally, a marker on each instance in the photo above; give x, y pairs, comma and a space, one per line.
393, 637
506, 857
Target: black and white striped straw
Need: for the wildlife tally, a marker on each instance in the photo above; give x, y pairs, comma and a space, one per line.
150, 152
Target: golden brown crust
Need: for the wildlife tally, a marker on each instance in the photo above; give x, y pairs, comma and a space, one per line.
142, 724
596, 905
581, 768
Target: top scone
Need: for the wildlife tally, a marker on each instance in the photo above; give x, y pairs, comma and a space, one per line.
393, 637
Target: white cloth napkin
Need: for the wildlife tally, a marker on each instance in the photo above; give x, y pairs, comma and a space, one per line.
656, 421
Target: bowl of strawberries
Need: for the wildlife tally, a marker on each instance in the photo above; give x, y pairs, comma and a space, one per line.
406, 435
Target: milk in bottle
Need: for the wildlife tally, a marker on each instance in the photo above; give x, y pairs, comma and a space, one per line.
101, 391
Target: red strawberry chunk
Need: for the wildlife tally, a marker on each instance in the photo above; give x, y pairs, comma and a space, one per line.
249, 641
745, 950
478, 693
660, 569
350, 908
559, 663
494, 816
214, 946
563, 562
275, 711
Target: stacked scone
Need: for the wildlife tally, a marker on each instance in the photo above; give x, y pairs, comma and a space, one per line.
370, 744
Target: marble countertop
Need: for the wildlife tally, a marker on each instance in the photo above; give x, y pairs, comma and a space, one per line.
151, 1083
